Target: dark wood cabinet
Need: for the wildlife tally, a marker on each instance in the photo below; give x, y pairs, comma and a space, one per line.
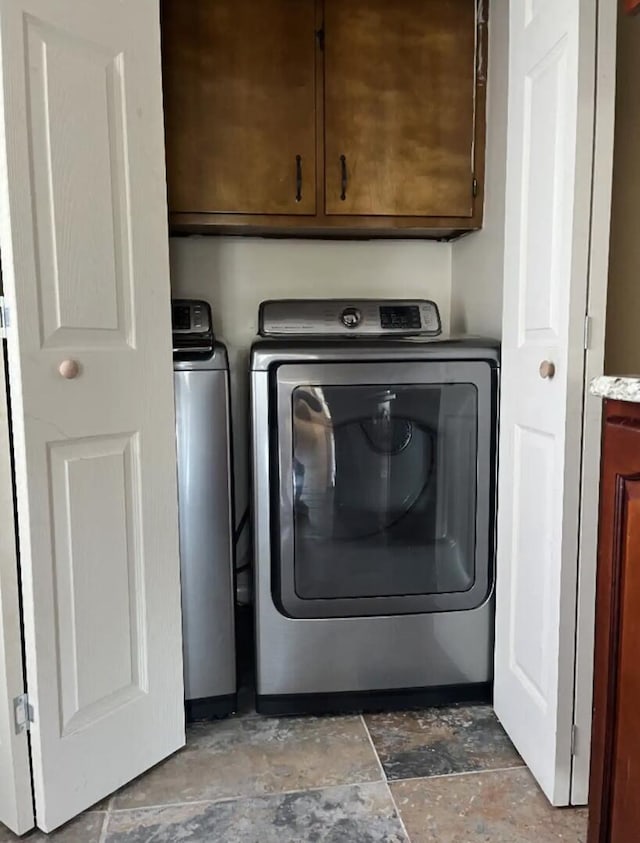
329, 117
399, 94
239, 93
614, 814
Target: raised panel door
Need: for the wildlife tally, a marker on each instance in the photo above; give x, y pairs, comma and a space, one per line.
86, 275
549, 172
625, 815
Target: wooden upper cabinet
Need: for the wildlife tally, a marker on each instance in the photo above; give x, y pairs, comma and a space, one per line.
240, 111
329, 117
400, 82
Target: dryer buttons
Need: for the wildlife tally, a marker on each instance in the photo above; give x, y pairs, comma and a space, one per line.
351, 317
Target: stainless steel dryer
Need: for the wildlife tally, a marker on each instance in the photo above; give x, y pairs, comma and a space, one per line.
374, 463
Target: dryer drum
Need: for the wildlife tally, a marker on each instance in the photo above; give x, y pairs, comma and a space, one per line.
400, 456
386, 435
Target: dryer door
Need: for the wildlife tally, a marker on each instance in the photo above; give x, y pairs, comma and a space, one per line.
385, 488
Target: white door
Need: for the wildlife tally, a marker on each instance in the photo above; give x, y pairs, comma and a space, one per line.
16, 802
548, 206
84, 245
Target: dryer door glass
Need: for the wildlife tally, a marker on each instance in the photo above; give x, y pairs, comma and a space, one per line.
385, 497
384, 490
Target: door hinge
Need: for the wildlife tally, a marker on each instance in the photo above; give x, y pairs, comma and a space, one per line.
22, 713
574, 739
588, 321
4, 318
320, 39
474, 187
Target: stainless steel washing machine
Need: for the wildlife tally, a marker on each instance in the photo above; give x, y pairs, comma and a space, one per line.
374, 469
205, 503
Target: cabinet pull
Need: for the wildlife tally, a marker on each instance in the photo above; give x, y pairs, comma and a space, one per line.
298, 178
344, 177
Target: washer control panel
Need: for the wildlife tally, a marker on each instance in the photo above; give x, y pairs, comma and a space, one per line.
341, 317
191, 324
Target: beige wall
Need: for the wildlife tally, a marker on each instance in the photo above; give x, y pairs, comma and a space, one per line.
478, 259
622, 355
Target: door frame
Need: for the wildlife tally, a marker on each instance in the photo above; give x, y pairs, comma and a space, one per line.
595, 325
16, 795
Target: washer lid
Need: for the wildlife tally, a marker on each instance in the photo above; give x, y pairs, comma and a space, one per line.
217, 360
349, 318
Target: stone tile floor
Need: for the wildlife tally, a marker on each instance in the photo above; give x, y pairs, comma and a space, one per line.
447, 775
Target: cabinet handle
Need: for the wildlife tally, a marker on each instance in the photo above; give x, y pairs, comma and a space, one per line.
344, 177
298, 178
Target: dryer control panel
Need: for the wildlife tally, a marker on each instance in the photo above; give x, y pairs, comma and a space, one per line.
344, 317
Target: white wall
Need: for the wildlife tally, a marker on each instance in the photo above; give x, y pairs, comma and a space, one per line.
235, 274
477, 259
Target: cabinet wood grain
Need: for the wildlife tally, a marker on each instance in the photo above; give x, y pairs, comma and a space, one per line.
239, 89
614, 815
400, 84
398, 89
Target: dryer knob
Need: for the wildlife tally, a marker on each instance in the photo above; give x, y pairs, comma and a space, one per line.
351, 317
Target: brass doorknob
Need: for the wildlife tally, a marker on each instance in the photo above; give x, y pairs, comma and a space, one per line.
547, 369
69, 369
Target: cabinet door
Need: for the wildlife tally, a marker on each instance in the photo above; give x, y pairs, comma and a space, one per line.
399, 106
239, 87
615, 774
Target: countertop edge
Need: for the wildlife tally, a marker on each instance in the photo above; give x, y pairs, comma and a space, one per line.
617, 388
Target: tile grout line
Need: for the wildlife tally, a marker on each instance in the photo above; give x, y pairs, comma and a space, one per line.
244, 796
111, 809
457, 775
385, 779
105, 823
397, 810
383, 775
